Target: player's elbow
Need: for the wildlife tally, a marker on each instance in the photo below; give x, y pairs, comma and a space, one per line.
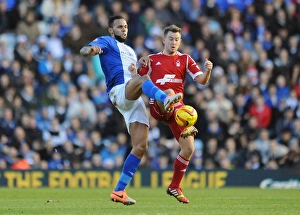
201, 80
84, 51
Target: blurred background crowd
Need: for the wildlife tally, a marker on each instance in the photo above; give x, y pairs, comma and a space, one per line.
55, 113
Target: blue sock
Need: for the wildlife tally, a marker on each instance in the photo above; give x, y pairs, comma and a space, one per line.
129, 168
154, 92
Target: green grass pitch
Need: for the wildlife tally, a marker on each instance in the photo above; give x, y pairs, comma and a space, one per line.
149, 201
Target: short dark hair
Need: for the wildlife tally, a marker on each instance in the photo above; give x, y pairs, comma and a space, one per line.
172, 28
112, 19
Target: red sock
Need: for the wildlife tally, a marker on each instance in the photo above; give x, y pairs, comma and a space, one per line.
180, 165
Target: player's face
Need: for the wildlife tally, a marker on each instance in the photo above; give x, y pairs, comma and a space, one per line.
119, 30
172, 42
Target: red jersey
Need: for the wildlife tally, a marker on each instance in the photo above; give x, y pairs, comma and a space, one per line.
169, 72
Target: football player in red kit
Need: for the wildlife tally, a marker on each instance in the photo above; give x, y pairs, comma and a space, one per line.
168, 70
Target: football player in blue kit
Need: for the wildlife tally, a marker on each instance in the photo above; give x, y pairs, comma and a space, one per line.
118, 60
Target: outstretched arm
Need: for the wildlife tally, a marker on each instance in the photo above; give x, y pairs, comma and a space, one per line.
143, 62
203, 79
90, 50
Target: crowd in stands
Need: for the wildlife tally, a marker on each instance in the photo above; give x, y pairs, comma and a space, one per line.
55, 113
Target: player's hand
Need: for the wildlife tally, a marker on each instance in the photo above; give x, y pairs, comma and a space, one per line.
143, 61
94, 50
208, 65
133, 70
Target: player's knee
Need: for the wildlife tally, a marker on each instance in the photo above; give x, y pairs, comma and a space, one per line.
189, 151
141, 148
145, 78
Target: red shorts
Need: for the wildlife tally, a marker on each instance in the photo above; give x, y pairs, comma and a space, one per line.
168, 118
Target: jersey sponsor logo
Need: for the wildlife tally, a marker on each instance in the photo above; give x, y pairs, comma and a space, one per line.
168, 78
126, 53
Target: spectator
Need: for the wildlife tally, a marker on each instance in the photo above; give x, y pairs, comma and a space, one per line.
65, 25
6, 52
29, 27
277, 150
292, 158
232, 153
210, 151
101, 16
235, 24
64, 82
8, 124
261, 112
73, 127
262, 144
282, 64
148, 20
110, 154
55, 44
175, 13
21, 49
27, 154
71, 154
254, 161
43, 118
296, 128
88, 150
272, 165
78, 69
97, 140
264, 83
33, 133
28, 97
161, 12
61, 108
20, 163
285, 121
83, 103
192, 10
56, 133
282, 91
52, 10
56, 162
80, 138
73, 39
18, 108
220, 104
39, 49
3, 164
88, 27
96, 161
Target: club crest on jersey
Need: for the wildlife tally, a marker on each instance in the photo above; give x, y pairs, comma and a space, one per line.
178, 63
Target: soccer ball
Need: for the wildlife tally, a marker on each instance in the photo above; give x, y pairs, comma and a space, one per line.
186, 116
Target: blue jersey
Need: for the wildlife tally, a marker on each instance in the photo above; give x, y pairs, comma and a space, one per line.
115, 60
